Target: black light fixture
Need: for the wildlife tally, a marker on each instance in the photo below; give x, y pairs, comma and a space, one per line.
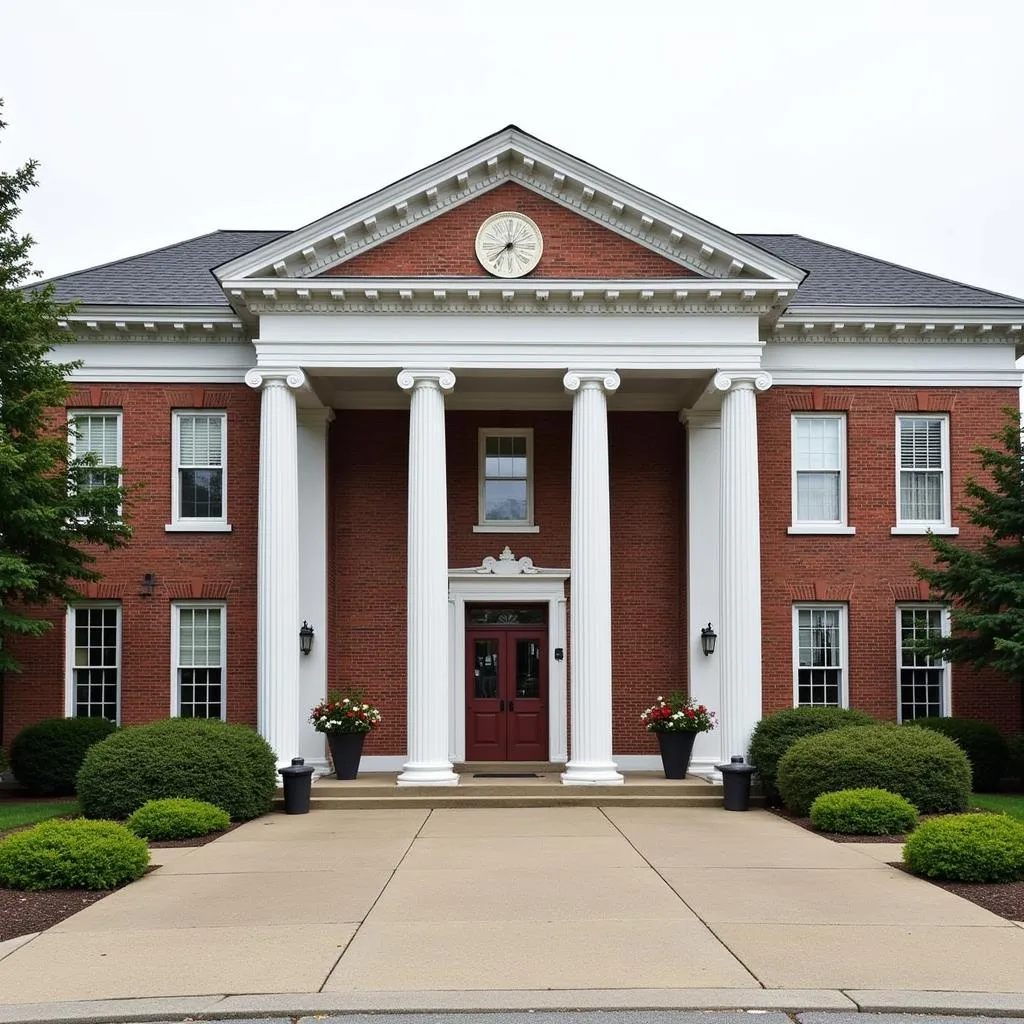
708, 636
305, 637
148, 584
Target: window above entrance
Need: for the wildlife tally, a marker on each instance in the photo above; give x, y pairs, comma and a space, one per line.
506, 481
498, 614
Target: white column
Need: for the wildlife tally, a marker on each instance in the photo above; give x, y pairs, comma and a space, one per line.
590, 744
313, 565
739, 638
427, 723
277, 570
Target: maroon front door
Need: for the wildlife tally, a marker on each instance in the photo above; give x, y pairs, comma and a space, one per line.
506, 693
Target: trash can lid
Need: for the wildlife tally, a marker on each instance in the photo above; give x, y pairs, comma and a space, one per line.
297, 767
736, 767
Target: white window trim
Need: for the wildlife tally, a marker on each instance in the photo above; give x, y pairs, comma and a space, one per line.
919, 527
844, 648
74, 413
946, 696
176, 607
516, 525
69, 653
809, 526
178, 524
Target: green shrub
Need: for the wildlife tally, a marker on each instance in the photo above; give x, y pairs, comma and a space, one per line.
922, 766
982, 743
229, 766
863, 812
1015, 764
75, 854
777, 732
45, 757
968, 848
177, 818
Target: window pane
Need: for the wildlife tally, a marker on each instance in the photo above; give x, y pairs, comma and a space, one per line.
201, 440
817, 442
921, 495
920, 443
921, 676
95, 672
201, 493
817, 497
505, 500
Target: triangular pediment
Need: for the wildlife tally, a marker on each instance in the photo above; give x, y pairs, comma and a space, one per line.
385, 234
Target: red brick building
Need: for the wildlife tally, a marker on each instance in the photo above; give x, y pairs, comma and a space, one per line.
508, 434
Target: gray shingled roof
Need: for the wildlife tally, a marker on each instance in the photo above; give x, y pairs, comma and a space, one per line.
182, 275
179, 274
839, 277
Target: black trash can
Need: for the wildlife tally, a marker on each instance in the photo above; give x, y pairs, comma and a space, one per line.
298, 781
736, 782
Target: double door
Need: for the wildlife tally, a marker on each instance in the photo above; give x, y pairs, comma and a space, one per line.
506, 694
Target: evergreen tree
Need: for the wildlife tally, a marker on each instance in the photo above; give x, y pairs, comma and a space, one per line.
984, 583
54, 508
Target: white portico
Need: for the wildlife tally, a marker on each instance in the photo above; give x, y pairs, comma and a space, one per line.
691, 344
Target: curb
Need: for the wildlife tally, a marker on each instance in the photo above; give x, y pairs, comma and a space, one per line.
291, 1005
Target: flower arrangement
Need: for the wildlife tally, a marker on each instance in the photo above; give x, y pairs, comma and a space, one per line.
677, 714
344, 713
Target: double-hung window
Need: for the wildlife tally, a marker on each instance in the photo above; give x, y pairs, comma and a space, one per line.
820, 656
924, 683
199, 484
95, 433
198, 641
506, 481
94, 661
819, 473
922, 474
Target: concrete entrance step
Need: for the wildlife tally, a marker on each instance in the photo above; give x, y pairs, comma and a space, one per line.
640, 789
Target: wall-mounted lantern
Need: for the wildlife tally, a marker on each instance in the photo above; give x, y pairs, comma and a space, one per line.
305, 637
708, 636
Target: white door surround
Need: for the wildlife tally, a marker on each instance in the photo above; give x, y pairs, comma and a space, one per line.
509, 580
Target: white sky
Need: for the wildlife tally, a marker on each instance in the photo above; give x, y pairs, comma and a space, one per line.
893, 128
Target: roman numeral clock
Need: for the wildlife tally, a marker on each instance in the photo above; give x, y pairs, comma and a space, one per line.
509, 245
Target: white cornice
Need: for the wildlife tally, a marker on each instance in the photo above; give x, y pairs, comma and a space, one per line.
511, 155
492, 295
155, 323
936, 324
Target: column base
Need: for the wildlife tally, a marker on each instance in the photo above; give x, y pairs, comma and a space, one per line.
594, 774
427, 775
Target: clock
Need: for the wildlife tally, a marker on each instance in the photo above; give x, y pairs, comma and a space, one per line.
509, 245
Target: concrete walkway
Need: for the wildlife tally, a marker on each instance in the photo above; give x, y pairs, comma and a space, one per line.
528, 907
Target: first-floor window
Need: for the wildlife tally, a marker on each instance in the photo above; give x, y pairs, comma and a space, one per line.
923, 679
94, 644
819, 643
199, 643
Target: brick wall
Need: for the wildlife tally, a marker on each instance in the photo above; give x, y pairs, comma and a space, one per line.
219, 566
368, 522
871, 571
574, 247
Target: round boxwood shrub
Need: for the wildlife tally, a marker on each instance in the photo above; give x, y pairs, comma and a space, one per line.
75, 854
177, 818
777, 732
863, 812
922, 766
968, 848
982, 743
45, 757
229, 766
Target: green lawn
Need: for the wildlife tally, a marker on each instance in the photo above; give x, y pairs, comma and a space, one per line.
1012, 804
15, 815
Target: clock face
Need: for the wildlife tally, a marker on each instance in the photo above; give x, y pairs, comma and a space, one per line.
509, 245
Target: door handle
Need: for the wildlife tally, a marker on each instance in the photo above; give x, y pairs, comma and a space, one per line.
501, 705
511, 705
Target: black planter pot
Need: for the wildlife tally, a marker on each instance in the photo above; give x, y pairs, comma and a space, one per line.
676, 748
346, 750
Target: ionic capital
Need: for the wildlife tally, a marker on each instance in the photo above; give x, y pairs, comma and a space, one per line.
742, 380
261, 376
441, 380
606, 380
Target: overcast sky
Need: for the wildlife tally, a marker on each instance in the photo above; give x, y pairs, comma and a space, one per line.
892, 128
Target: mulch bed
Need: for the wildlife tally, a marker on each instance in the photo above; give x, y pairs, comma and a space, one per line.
1003, 898
22, 913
